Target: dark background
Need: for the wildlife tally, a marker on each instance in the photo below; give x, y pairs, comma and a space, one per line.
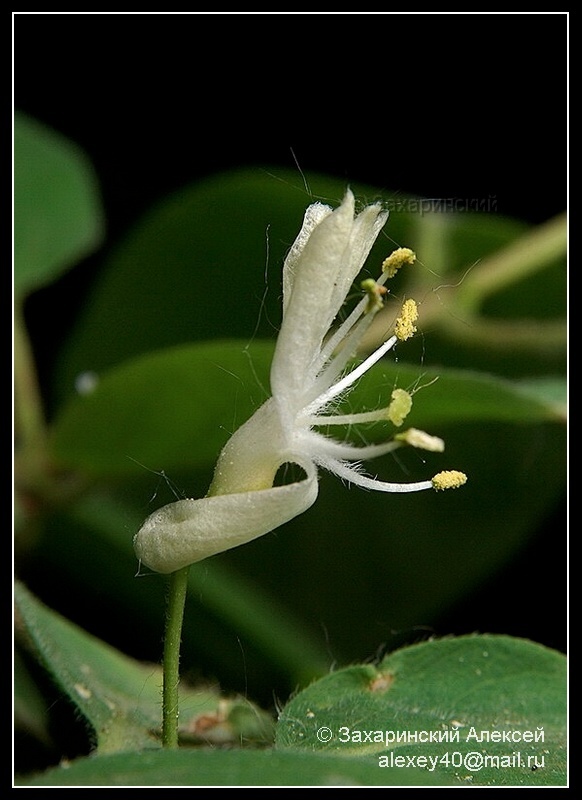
446, 105
436, 105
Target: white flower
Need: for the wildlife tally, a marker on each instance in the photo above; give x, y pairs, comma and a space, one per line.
309, 375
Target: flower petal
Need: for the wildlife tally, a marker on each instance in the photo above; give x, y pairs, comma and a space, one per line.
187, 531
315, 213
317, 276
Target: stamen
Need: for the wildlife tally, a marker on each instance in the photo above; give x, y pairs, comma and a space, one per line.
375, 294
345, 451
341, 333
449, 479
400, 406
350, 378
416, 438
359, 417
397, 259
347, 336
346, 353
404, 327
350, 474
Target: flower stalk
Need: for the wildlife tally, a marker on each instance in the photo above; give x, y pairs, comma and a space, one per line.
177, 586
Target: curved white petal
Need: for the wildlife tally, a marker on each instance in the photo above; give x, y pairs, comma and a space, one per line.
315, 213
187, 531
318, 274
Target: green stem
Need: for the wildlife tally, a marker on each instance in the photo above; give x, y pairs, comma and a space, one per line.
531, 252
174, 618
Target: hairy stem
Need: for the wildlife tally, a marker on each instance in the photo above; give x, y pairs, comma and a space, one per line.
175, 615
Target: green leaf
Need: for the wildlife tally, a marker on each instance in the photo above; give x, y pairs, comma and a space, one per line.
119, 697
57, 213
440, 696
166, 410
551, 390
223, 768
174, 409
445, 396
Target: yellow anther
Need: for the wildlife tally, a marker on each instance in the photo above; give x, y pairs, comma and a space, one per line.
449, 479
397, 259
400, 406
424, 441
404, 327
375, 293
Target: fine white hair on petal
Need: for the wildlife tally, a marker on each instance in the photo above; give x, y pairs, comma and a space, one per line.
188, 531
352, 474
